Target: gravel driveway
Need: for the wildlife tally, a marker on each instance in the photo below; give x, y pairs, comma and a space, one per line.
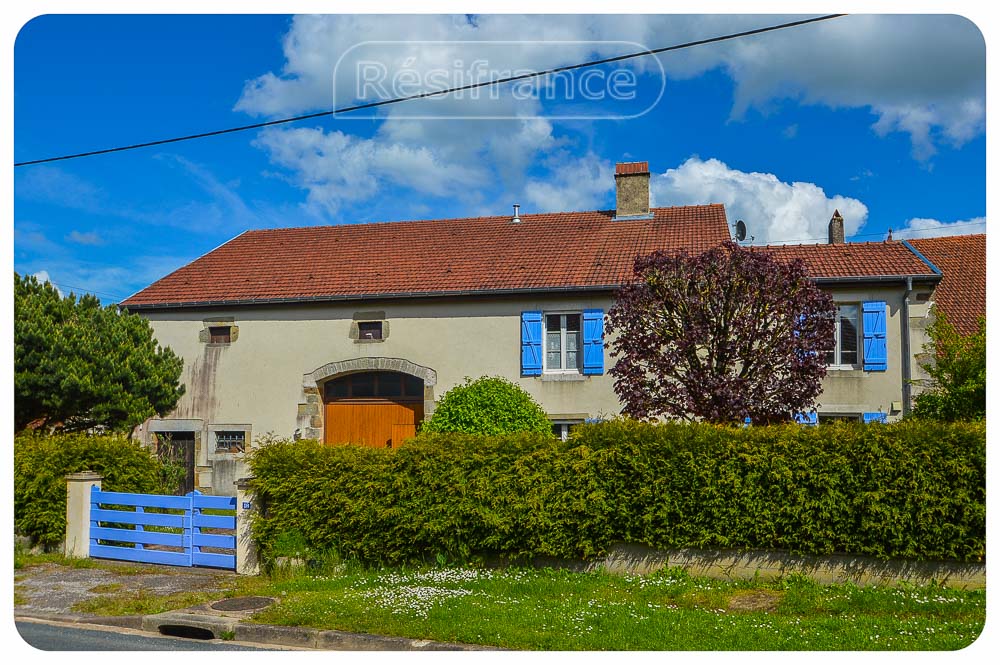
54, 589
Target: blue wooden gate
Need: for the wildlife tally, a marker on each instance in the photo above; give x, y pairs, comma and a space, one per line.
152, 528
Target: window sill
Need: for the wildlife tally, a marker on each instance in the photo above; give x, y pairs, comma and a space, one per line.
563, 376
368, 341
223, 455
844, 370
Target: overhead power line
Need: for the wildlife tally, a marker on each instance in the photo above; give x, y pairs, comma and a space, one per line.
436, 93
80, 290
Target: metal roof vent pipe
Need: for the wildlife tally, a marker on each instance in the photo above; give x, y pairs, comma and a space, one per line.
517, 214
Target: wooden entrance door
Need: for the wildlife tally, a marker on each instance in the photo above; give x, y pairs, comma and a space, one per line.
373, 423
378, 409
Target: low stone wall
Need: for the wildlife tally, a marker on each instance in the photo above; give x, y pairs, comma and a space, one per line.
771, 564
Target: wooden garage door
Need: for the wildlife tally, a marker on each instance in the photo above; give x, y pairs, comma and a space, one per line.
377, 424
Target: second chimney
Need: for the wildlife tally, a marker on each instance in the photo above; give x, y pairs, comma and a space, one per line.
836, 229
631, 189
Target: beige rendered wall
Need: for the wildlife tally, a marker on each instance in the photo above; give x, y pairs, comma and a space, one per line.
856, 391
262, 381
261, 376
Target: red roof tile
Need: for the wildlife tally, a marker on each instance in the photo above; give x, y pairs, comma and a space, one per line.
631, 168
853, 259
961, 295
483, 254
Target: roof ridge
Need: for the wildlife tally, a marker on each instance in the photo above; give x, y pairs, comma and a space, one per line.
956, 236
610, 213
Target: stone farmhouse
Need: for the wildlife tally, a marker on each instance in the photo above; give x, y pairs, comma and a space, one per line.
351, 333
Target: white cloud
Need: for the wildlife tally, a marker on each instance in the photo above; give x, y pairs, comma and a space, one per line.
774, 211
84, 238
576, 184
43, 276
923, 75
337, 168
922, 227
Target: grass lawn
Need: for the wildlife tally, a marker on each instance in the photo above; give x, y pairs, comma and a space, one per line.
560, 610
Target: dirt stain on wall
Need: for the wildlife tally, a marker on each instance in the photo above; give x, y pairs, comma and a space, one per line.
200, 400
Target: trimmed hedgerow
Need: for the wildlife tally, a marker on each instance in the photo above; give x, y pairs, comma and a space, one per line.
908, 490
41, 464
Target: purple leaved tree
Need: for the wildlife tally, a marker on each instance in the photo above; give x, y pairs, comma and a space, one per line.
721, 336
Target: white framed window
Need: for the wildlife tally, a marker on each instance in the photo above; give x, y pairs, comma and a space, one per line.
561, 428
846, 353
563, 347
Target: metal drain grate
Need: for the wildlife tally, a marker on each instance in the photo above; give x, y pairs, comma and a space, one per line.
242, 604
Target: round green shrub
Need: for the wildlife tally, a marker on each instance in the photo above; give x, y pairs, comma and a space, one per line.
41, 464
489, 405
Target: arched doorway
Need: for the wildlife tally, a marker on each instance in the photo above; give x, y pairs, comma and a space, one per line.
376, 408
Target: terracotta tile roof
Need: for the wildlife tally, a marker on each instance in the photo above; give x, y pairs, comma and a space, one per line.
961, 295
630, 168
483, 254
853, 259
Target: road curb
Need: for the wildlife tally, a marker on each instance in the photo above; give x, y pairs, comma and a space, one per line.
258, 633
133, 621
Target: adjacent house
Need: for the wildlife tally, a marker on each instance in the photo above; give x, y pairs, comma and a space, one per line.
961, 295
352, 332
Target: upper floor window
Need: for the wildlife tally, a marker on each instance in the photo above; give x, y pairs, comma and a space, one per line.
562, 342
847, 335
220, 334
369, 330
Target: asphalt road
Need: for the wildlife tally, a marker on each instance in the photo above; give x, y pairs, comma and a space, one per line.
50, 637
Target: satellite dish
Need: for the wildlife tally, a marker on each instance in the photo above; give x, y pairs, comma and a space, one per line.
741, 230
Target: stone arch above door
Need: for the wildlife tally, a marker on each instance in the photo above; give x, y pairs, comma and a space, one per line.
309, 420
373, 364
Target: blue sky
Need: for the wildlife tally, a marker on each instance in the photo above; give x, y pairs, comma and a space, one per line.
882, 117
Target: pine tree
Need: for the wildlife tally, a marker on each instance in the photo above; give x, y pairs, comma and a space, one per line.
78, 365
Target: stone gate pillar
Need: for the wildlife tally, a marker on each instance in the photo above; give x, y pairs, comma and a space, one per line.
247, 562
78, 512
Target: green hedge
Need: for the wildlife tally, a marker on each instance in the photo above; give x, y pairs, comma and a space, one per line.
911, 490
42, 462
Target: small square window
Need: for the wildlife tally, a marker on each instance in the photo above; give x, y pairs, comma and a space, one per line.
230, 441
370, 330
220, 334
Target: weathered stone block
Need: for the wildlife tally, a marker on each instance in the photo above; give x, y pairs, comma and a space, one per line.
308, 409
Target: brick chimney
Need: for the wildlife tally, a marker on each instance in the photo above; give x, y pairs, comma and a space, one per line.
836, 229
631, 190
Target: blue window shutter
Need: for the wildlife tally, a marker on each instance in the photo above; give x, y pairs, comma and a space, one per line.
811, 418
875, 417
593, 341
876, 352
531, 343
